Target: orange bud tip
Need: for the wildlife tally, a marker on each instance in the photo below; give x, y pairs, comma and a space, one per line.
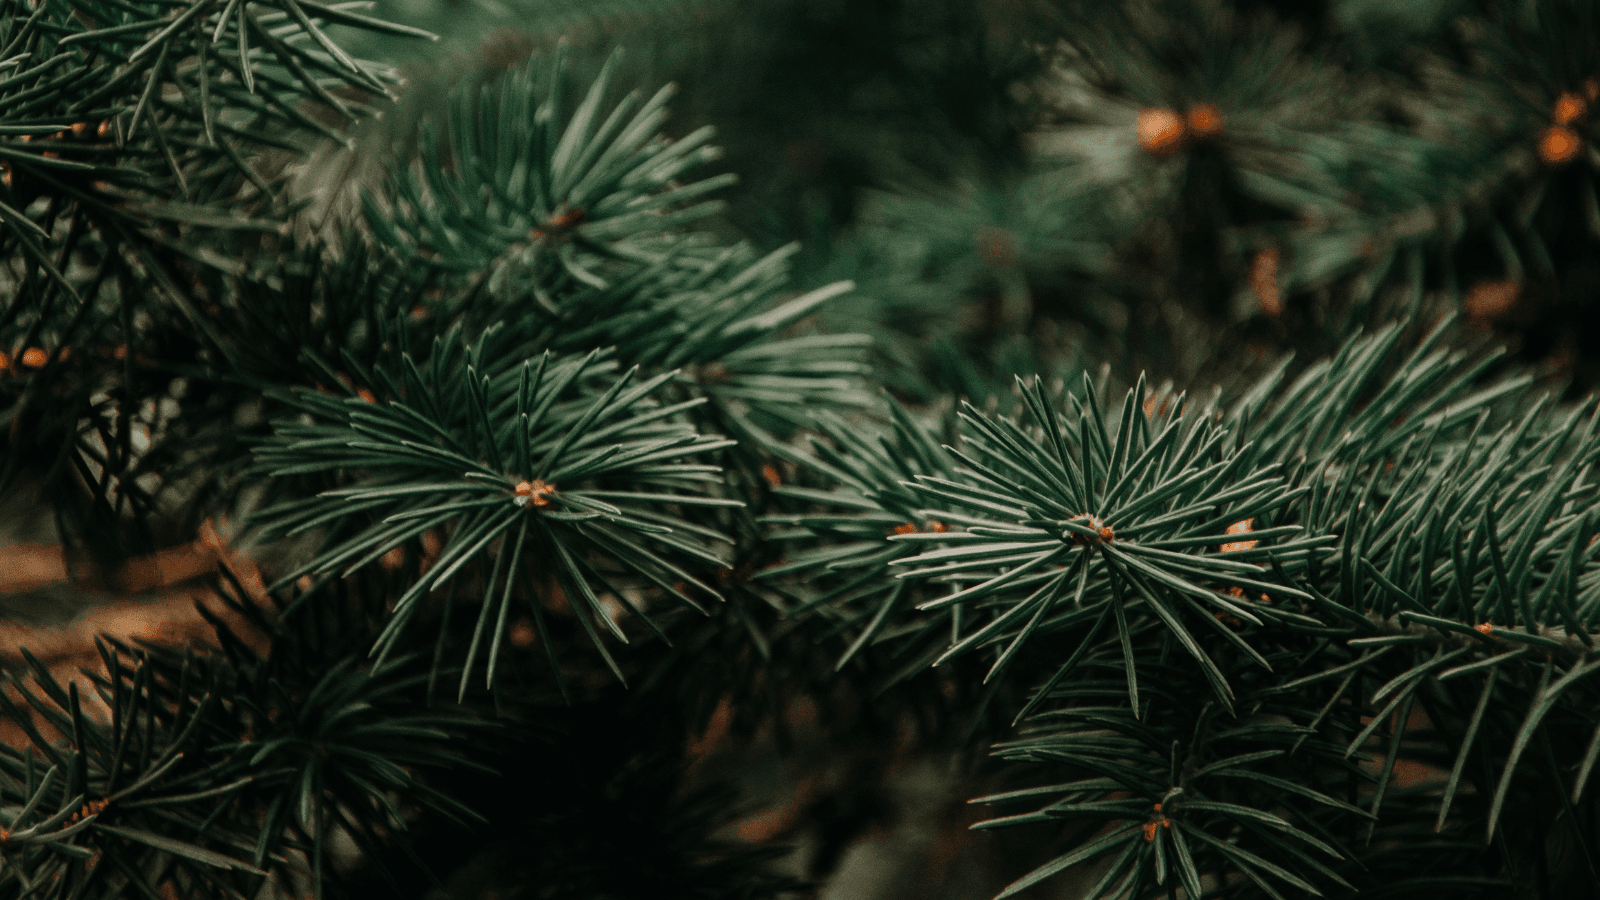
1264, 280
394, 559
1569, 108
1491, 299
1244, 527
522, 634
34, 358
1103, 533
1161, 131
536, 492
567, 217
1559, 145
1205, 120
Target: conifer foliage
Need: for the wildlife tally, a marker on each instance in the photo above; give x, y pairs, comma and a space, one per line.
530, 423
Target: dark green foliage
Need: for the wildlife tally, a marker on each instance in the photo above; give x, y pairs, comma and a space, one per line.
1403, 536
213, 769
609, 826
852, 564
1376, 504
139, 150
557, 194
549, 462
140, 119
523, 387
581, 246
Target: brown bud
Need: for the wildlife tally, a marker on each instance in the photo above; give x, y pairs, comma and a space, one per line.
537, 492
1264, 280
1491, 299
1161, 131
1569, 108
1559, 145
1205, 120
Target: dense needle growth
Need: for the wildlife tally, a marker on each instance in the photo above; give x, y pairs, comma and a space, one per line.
563, 469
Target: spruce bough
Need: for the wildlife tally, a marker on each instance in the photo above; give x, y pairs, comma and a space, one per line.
522, 396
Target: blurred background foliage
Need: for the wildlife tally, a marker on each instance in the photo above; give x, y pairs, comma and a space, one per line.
1177, 186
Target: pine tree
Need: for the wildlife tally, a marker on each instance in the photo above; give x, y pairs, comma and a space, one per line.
552, 461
